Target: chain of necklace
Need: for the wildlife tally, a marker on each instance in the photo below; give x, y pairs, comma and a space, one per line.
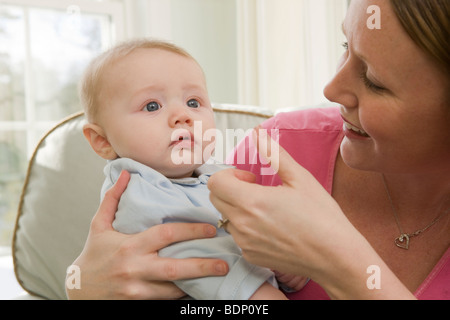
402, 241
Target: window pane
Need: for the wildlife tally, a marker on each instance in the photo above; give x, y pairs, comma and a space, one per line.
62, 43
13, 162
42, 55
12, 53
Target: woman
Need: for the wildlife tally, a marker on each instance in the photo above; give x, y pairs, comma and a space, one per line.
390, 193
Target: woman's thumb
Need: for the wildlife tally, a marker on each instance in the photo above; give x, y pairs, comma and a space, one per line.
105, 215
276, 156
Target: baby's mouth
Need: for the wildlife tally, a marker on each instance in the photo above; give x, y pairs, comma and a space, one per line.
183, 139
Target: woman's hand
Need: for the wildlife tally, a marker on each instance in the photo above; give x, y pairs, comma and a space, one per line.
274, 226
120, 266
291, 282
297, 228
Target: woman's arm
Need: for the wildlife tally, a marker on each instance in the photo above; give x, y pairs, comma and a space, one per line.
119, 266
298, 228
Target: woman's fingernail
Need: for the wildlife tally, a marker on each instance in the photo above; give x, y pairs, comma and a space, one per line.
210, 231
220, 268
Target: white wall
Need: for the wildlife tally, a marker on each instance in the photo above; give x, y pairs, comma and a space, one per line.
207, 29
271, 53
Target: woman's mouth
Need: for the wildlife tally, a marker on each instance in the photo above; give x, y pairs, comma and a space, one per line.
353, 131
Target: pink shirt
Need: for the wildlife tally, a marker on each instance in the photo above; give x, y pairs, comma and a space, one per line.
312, 137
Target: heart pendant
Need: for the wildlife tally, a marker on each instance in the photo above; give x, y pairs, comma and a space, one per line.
402, 241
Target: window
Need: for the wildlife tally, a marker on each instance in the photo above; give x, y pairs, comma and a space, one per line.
44, 46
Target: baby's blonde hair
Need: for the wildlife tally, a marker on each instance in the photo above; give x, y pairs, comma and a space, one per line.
90, 84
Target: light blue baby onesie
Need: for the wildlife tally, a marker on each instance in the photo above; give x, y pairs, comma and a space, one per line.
151, 199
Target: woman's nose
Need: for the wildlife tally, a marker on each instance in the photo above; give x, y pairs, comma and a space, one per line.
341, 88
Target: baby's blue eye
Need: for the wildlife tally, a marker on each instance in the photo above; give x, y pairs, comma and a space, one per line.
193, 103
152, 106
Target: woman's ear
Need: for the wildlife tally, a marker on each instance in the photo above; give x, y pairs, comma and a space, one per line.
98, 141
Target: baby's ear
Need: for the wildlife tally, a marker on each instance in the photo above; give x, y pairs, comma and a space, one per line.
98, 141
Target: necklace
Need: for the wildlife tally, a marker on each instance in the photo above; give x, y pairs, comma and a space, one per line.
402, 241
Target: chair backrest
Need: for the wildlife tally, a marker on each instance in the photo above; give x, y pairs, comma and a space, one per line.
61, 194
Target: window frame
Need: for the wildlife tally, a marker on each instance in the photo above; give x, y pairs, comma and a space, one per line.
31, 127
115, 9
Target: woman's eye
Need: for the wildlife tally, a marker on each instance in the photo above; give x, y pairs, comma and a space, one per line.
370, 85
345, 45
193, 103
152, 106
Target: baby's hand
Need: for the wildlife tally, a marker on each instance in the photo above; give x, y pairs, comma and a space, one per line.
289, 282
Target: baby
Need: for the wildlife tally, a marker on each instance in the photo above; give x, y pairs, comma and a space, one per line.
148, 112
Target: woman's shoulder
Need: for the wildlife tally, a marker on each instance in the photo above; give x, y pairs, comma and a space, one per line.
436, 285
315, 119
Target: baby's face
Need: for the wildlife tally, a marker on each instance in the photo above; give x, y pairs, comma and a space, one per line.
155, 109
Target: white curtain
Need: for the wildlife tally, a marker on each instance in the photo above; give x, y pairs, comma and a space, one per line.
287, 50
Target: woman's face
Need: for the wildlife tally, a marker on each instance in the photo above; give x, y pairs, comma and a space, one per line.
394, 99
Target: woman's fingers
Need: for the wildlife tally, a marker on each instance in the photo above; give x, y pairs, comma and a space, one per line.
168, 269
158, 290
220, 186
291, 281
149, 242
156, 282
160, 236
